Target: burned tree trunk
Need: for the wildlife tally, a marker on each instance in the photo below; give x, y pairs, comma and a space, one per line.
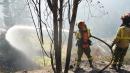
70, 39
60, 33
57, 27
56, 37
57, 24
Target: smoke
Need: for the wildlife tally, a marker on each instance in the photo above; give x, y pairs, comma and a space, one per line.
12, 59
24, 39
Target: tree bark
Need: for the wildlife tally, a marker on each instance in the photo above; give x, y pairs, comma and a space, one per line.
70, 39
50, 4
56, 37
60, 32
57, 23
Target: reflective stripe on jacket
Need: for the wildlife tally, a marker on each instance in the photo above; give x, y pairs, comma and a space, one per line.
122, 39
78, 34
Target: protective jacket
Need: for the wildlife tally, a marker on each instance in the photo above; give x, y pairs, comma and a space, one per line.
83, 38
122, 39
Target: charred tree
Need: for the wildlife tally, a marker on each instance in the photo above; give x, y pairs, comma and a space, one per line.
70, 39
57, 23
57, 27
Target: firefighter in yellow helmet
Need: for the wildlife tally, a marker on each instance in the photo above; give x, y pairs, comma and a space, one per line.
121, 41
83, 43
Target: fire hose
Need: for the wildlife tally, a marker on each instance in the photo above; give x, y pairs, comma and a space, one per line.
110, 47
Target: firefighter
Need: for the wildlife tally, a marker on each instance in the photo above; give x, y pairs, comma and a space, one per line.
83, 43
121, 41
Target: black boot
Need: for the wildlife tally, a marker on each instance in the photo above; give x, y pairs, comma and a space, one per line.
91, 65
119, 66
119, 69
77, 67
113, 66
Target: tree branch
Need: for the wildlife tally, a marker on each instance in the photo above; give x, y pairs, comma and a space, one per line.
50, 5
74, 11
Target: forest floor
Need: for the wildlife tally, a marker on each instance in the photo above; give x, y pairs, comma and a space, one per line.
84, 69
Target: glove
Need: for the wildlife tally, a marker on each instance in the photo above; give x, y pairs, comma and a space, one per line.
89, 42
